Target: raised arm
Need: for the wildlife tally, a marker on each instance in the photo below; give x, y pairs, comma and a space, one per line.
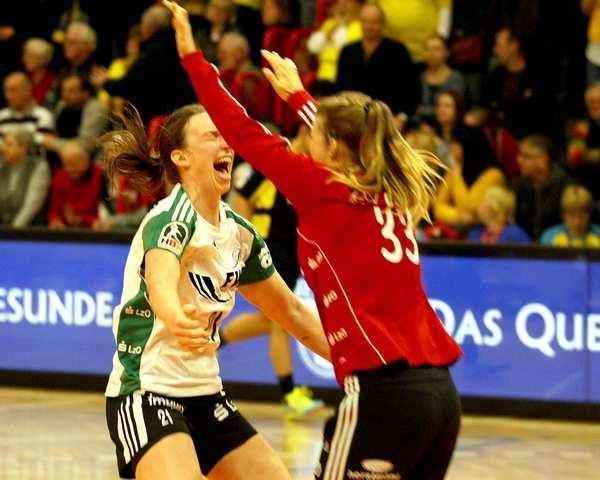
298, 177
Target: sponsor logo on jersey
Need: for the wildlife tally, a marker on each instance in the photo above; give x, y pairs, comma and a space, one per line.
172, 237
337, 336
144, 313
329, 298
131, 349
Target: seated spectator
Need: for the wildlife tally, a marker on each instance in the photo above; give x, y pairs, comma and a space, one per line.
76, 189
79, 115
473, 167
513, 92
591, 8
503, 143
124, 208
365, 66
156, 83
279, 13
437, 77
208, 31
242, 77
496, 213
583, 150
412, 21
340, 29
37, 55
120, 66
539, 187
79, 46
24, 180
576, 205
21, 111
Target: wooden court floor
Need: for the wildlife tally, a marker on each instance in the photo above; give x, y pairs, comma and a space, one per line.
46, 435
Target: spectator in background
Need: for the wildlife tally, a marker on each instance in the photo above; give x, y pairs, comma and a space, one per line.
156, 70
591, 8
576, 205
503, 143
124, 208
234, 56
79, 46
512, 91
583, 147
79, 115
22, 111
76, 189
379, 67
242, 77
496, 212
218, 20
340, 29
248, 21
539, 187
473, 167
437, 76
120, 66
281, 13
24, 180
37, 55
412, 21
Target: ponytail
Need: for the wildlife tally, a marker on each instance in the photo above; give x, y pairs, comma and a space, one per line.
386, 163
126, 151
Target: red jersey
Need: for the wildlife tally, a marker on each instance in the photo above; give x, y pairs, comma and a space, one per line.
359, 258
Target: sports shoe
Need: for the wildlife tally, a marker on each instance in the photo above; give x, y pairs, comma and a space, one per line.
300, 402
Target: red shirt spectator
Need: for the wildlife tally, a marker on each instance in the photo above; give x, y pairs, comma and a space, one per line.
76, 189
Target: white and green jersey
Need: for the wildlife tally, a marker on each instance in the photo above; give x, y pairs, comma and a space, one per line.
214, 262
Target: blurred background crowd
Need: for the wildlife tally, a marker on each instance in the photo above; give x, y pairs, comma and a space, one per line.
506, 92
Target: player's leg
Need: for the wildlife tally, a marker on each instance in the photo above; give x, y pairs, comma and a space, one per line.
435, 461
255, 459
151, 436
244, 327
228, 446
173, 456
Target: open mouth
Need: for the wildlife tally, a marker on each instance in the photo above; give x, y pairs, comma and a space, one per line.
223, 166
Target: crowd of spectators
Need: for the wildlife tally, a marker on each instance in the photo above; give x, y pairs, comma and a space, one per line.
506, 92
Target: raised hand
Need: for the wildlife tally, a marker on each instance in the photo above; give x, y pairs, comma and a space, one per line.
283, 75
182, 27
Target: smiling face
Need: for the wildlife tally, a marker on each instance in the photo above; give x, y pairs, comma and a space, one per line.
209, 159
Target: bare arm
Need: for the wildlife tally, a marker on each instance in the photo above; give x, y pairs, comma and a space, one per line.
276, 301
162, 276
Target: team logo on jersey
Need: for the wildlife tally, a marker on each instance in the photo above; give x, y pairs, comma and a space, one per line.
172, 237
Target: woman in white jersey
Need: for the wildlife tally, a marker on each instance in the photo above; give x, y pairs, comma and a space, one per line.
166, 411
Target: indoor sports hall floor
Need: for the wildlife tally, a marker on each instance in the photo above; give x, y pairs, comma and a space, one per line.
46, 435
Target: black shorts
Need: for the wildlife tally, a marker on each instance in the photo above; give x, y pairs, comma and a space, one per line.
139, 420
393, 423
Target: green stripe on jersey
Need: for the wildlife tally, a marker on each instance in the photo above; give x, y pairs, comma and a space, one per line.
136, 321
259, 264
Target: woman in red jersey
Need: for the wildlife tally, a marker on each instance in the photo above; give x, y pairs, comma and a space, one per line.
356, 197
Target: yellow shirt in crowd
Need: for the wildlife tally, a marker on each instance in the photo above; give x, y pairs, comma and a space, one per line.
413, 21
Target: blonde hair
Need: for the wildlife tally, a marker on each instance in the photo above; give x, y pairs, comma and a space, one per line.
576, 197
40, 48
502, 201
380, 160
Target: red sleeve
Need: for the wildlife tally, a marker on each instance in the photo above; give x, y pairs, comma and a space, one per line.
55, 211
298, 177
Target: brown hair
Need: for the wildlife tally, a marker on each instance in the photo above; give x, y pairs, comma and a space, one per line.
128, 152
380, 159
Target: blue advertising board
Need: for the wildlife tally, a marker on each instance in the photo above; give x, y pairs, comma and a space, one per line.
529, 328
